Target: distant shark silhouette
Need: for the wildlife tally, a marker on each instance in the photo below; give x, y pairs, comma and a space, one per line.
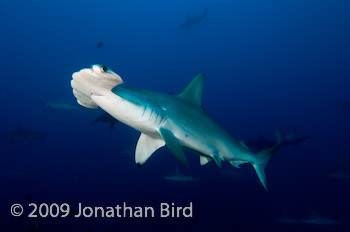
286, 219
316, 219
313, 219
19, 135
263, 143
190, 21
177, 121
99, 45
232, 173
61, 105
106, 118
179, 177
340, 173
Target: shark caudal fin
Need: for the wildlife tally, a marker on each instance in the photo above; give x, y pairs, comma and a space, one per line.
93, 81
264, 157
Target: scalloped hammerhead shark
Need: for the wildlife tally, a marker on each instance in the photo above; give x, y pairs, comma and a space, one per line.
177, 121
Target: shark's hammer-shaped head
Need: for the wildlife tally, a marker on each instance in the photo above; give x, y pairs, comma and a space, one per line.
96, 80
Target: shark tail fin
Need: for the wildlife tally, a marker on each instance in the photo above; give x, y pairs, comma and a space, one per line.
96, 80
264, 157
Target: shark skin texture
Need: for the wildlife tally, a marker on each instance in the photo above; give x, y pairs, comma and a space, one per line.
176, 121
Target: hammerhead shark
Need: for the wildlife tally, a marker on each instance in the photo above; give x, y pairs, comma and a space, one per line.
61, 105
178, 177
177, 121
19, 135
263, 143
106, 118
192, 20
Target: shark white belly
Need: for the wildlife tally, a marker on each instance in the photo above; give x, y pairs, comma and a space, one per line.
175, 121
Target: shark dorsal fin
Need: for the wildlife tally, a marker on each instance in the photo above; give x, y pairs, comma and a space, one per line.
193, 91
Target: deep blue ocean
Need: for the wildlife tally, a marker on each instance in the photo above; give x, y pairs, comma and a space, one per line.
268, 64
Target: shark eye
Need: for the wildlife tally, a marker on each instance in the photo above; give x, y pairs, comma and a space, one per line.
104, 68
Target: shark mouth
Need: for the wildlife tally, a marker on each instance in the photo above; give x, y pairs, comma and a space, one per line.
94, 81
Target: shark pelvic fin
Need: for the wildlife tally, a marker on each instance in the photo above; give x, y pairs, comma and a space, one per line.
204, 159
193, 91
174, 145
217, 158
145, 147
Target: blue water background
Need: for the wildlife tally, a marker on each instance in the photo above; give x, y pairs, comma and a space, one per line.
268, 64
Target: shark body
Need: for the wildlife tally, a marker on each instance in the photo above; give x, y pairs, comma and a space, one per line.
341, 173
192, 20
321, 220
19, 135
61, 105
178, 177
105, 118
179, 122
263, 143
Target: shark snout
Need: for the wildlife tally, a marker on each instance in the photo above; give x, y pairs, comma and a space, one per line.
95, 81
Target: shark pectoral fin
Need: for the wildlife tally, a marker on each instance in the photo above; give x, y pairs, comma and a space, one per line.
145, 147
260, 171
193, 91
174, 145
204, 159
217, 158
